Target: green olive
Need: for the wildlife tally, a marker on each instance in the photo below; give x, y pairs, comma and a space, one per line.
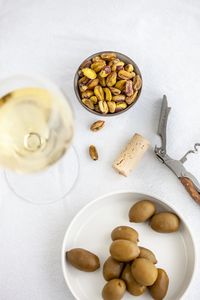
124, 233
144, 271
112, 269
165, 222
114, 290
132, 286
142, 211
148, 254
124, 250
83, 260
159, 289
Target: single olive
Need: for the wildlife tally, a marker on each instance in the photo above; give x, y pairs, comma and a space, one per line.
124, 233
112, 269
144, 271
165, 222
132, 286
148, 254
142, 211
124, 250
159, 289
114, 290
83, 259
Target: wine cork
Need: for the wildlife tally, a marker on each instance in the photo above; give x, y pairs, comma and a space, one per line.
131, 155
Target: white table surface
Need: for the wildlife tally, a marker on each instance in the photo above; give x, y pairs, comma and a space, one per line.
51, 38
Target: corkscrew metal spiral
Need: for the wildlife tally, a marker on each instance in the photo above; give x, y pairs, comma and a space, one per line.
193, 151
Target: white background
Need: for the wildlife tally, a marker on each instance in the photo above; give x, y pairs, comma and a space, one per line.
52, 38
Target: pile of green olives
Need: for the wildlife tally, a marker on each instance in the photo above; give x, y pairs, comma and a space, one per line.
130, 267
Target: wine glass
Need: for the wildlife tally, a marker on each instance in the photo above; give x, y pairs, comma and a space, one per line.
36, 130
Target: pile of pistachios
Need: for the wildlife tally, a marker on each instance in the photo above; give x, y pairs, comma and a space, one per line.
107, 84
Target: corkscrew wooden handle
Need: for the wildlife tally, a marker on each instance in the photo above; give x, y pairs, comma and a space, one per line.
188, 184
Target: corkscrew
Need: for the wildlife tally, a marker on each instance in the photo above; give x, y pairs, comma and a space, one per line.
187, 179
193, 151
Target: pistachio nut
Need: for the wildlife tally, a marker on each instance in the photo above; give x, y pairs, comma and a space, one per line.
138, 83
96, 126
86, 64
89, 73
80, 73
129, 88
115, 91
105, 71
119, 98
118, 68
125, 75
94, 99
113, 62
88, 103
131, 99
83, 80
129, 68
83, 88
120, 84
102, 81
111, 79
103, 107
108, 56
96, 108
99, 93
98, 65
96, 58
93, 152
120, 106
116, 65
92, 83
87, 94
111, 106
108, 94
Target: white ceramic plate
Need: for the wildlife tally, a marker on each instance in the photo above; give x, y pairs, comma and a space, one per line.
91, 229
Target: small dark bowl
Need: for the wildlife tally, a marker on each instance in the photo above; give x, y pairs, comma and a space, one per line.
122, 57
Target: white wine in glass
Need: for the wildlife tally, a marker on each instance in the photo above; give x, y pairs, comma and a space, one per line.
36, 130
